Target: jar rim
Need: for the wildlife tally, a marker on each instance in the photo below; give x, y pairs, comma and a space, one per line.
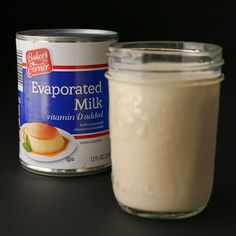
182, 55
151, 46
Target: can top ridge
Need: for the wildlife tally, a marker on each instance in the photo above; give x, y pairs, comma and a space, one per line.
67, 35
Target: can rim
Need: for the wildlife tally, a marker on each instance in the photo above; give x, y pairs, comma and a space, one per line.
67, 35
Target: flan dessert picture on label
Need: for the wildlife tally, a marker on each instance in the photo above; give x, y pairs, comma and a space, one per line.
39, 139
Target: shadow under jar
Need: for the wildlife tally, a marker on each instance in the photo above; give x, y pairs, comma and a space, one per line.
164, 99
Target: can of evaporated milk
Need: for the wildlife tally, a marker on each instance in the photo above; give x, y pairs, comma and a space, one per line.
63, 100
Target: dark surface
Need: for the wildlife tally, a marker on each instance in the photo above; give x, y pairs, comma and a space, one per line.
35, 205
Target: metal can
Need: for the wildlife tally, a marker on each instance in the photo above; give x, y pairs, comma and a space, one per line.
63, 100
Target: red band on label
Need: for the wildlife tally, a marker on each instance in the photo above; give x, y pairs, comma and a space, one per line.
59, 67
91, 135
81, 66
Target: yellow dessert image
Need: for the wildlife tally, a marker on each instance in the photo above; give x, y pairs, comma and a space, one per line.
42, 139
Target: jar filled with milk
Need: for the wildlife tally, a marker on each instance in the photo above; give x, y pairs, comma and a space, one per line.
164, 99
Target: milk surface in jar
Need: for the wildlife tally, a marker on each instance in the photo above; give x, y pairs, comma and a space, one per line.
164, 99
63, 100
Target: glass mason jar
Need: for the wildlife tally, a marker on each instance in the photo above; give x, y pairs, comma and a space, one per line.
164, 99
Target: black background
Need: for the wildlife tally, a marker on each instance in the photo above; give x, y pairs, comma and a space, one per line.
36, 205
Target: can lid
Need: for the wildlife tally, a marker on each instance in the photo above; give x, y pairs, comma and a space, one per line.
67, 35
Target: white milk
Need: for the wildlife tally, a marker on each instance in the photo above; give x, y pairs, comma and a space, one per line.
163, 138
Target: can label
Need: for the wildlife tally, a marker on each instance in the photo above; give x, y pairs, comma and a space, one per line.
63, 104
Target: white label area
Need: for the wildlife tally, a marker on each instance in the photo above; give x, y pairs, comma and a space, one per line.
91, 152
